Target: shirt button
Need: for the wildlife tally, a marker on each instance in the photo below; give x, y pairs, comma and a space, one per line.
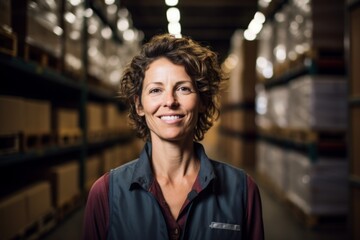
176, 231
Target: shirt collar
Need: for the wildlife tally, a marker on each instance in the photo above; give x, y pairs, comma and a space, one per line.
143, 175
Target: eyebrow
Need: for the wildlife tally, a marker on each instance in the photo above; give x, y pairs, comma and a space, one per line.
177, 83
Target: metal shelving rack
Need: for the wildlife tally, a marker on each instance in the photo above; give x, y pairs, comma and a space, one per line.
24, 78
352, 41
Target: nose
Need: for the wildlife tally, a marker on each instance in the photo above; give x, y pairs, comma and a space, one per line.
170, 99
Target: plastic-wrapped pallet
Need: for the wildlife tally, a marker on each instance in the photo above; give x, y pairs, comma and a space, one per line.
74, 38
272, 107
272, 163
318, 188
97, 59
318, 102
43, 25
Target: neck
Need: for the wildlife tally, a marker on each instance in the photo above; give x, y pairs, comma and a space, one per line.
173, 160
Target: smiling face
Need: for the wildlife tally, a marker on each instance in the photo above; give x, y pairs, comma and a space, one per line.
169, 102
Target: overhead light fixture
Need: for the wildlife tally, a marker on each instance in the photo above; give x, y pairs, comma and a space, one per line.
171, 3
174, 28
173, 14
255, 26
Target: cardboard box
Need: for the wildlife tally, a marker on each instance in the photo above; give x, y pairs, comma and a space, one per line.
11, 114
243, 74
13, 215
355, 51
111, 117
5, 16
65, 183
38, 200
40, 29
37, 115
92, 170
355, 212
318, 187
95, 117
355, 139
66, 119
238, 151
239, 120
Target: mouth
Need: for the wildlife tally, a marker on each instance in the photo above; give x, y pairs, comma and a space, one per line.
171, 117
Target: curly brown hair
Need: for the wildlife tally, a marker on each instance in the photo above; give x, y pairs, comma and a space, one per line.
200, 63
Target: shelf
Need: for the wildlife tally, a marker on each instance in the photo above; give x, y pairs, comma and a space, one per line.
37, 80
249, 105
354, 180
353, 3
123, 138
334, 66
10, 64
32, 155
16, 158
237, 134
312, 149
354, 101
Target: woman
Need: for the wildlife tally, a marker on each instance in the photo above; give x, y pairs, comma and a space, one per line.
173, 191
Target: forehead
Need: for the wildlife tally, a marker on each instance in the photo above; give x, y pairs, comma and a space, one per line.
164, 68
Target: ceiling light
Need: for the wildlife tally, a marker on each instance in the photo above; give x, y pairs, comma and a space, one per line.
173, 14
171, 2
174, 28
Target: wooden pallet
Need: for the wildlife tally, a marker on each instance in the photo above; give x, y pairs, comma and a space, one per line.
35, 141
65, 137
69, 207
304, 135
38, 228
42, 57
96, 136
8, 43
9, 143
316, 221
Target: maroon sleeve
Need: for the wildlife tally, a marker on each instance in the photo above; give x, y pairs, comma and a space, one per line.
254, 221
96, 218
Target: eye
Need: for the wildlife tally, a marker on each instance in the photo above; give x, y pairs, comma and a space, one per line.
154, 90
184, 90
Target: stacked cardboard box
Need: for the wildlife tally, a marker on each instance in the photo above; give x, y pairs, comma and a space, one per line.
37, 116
353, 43
29, 117
43, 26
318, 102
74, 47
20, 210
237, 123
14, 205
65, 125
93, 170
318, 187
12, 114
65, 183
272, 165
95, 121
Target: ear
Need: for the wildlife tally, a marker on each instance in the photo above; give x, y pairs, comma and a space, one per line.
138, 106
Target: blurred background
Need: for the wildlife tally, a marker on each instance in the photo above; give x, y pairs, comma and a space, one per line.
288, 118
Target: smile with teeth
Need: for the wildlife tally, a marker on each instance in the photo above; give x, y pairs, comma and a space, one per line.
170, 117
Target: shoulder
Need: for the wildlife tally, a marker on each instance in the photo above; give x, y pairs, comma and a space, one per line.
125, 168
234, 175
222, 168
123, 174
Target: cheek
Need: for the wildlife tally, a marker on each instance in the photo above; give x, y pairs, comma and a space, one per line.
150, 105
